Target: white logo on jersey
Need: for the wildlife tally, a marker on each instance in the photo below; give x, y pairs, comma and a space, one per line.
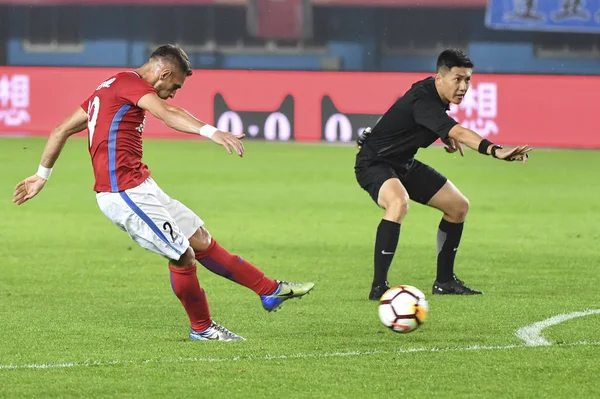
106, 84
141, 127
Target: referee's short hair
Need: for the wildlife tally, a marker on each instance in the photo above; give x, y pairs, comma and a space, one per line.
451, 58
174, 54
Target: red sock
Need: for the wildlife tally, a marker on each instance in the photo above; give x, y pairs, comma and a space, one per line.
219, 261
193, 298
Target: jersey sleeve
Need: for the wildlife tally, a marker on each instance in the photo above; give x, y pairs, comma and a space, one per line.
134, 88
85, 105
431, 114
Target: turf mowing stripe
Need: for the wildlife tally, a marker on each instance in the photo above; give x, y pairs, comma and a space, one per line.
89, 363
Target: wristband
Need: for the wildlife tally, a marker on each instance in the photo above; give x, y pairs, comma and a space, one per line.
483, 146
494, 148
208, 131
44, 172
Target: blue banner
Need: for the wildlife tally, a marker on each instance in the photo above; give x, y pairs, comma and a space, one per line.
544, 15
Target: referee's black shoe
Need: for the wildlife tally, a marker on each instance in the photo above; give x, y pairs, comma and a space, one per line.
378, 291
453, 287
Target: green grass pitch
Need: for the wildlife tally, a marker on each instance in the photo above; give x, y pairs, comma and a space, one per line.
85, 312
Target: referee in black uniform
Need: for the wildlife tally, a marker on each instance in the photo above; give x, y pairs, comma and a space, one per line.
386, 168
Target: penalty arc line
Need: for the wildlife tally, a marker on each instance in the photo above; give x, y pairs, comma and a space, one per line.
141, 362
531, 335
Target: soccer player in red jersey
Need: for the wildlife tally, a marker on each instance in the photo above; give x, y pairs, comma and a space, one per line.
114, 115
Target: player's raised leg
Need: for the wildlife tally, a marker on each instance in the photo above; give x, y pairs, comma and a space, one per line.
220, 261
455, 207
394, 199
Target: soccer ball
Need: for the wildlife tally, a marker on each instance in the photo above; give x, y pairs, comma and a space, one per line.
403, 308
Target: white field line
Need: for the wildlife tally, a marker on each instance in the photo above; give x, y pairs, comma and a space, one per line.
89, 363
531, 335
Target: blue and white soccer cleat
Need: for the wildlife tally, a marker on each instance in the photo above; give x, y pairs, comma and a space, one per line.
284, 291
215, 332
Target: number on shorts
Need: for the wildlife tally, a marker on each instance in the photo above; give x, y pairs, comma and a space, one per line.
166, 226
93, 110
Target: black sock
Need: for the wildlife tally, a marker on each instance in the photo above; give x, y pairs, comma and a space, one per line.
386, 242
448, 239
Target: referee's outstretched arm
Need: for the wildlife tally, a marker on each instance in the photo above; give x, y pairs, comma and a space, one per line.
472, 140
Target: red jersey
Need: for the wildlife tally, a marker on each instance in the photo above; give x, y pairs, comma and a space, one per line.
115, 125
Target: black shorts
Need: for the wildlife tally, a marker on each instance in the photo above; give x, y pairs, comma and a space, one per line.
421, 181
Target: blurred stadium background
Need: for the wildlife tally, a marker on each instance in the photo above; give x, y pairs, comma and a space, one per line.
387, 44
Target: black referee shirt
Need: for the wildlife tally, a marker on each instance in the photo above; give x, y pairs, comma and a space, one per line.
416, 120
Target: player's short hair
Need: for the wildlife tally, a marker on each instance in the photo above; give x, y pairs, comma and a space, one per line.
175, 55
451, 58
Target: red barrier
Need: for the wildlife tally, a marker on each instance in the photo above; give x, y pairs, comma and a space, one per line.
554, 111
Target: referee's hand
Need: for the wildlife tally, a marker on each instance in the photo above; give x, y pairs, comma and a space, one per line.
452, 146
514, 154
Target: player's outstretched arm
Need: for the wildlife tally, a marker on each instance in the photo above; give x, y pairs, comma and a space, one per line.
32, 185
484, 146
179, 119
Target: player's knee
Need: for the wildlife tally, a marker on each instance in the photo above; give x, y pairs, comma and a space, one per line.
397, 207
205, 237
201, 240
186, 260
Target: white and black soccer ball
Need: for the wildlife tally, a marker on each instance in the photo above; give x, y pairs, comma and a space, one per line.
403, 308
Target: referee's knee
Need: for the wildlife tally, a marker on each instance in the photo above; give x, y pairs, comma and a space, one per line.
396, 208
459, 209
